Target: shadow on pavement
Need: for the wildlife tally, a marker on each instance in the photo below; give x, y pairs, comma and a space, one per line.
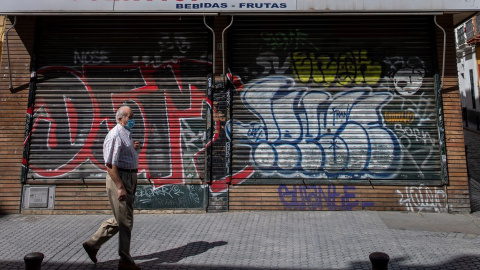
464, 262
172, 255
177, 254
461, 262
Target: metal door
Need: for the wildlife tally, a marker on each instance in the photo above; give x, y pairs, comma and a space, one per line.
87, 67
334, 100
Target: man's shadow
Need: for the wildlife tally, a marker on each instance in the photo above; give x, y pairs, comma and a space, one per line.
176, 254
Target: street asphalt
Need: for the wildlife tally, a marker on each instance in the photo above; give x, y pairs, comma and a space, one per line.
260, 240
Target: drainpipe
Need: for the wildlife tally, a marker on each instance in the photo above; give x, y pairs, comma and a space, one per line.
441, 87
444, 49
213, 54
8, 53
223, 51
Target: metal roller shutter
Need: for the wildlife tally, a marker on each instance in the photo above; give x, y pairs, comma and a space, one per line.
88, 66
345, 100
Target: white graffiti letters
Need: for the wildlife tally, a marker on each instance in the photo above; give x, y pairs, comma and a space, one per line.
96, 57
422, 198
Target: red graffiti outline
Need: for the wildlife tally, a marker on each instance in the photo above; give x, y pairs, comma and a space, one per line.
174, 115
71, 113
85, 152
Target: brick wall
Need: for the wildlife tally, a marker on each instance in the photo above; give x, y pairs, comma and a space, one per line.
13, 104
457, 190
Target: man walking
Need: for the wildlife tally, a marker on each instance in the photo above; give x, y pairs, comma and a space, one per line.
121, 159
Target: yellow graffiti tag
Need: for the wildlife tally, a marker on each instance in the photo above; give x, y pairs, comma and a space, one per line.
346, 68
405, 117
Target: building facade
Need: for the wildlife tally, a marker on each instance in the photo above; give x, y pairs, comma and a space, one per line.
466, 38
286, 105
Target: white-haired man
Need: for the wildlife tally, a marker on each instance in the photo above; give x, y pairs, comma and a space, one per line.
120, 153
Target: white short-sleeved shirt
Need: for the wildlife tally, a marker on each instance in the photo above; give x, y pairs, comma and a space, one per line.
118, 148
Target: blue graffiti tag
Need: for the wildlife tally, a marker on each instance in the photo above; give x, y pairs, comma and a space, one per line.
316, 198
338, 114
310, 133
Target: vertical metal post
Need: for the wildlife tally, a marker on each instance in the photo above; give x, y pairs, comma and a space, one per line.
209, 131
228, 143
228, 125
29, 120
440, 123
211, 83
228, 134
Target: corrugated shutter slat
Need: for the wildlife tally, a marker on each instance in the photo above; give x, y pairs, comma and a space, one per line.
335, 100
88, 66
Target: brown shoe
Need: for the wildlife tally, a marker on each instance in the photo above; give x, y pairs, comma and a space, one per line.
92, 252
124, 265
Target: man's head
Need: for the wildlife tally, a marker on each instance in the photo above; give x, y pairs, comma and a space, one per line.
124, 114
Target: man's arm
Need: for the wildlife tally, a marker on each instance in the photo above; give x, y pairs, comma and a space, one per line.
113, 172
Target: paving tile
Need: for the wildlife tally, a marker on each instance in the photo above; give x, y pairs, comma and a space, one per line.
240, 240
257, 240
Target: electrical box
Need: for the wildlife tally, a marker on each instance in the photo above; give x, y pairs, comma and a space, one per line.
38, 197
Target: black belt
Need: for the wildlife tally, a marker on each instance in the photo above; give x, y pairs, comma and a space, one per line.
127, 170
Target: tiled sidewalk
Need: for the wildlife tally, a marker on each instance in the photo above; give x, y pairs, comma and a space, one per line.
243, 240
260, 240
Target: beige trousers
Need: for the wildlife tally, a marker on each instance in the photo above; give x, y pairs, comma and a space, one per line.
122, 221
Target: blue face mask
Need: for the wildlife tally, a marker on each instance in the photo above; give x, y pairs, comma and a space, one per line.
130, 124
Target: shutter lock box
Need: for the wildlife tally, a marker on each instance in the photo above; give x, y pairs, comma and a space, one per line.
38, 197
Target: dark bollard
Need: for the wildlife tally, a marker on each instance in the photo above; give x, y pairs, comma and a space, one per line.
379, 260
33, 261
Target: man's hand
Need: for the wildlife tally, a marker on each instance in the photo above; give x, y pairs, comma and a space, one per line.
136, 145
112, 170
122, 194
